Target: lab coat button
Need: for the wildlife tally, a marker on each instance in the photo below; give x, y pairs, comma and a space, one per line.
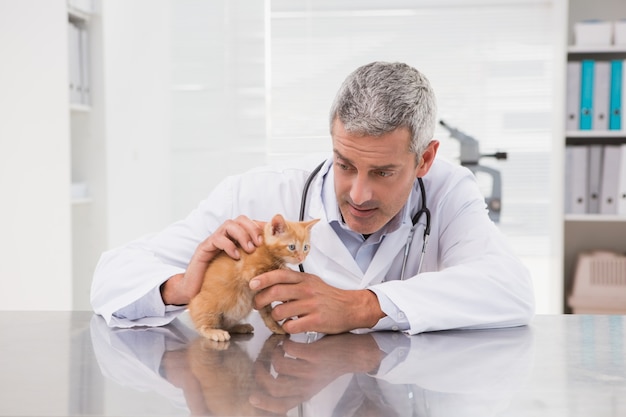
395, 328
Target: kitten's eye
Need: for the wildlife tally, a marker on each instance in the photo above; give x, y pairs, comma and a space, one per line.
291, 247
306, 248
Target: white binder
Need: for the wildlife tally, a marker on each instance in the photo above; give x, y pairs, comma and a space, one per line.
75, 87
84, 66
601, 95
594, 179
610, 180
576, 179
572, 122
621, 182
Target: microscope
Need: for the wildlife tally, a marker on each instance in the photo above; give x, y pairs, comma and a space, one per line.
470, 156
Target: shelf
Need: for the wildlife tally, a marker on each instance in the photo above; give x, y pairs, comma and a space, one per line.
596, 133
598, 137
598, 218
610, 49
589, 232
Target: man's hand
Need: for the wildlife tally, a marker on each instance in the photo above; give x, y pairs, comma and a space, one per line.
318, 306
230, 237
302, 370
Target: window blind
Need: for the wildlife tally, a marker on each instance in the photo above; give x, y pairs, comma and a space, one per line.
490, 63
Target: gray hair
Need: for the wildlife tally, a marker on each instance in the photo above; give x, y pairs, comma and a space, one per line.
380, 97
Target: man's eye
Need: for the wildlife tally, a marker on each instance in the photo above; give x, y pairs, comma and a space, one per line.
384, 174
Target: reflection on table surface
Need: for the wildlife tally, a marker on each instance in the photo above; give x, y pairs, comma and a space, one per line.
557, 366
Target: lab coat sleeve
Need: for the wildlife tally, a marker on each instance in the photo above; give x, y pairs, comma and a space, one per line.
474, 280
125, 287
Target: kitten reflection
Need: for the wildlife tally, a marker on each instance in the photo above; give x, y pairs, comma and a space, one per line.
224, 373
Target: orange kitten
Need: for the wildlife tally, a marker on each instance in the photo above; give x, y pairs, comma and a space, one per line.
224, 377
225, 297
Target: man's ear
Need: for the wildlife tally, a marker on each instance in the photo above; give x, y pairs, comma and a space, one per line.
427, 158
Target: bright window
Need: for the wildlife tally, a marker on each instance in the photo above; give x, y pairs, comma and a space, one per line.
253, 82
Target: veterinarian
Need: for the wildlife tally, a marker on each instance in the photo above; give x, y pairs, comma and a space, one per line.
404, 242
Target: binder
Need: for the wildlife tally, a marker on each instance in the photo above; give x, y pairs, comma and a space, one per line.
594, 179
84, 66
621, 182
75, 88
610, 179
601, 99
586, 94
623, 93
569, 197
572, 106
615, 102
576, 179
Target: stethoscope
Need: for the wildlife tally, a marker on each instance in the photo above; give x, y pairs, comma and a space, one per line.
423, 210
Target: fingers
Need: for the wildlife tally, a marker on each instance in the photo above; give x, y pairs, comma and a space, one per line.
307, 303
301, 324
279, 276
231, 236
275, 394
242, 232
295, 291
281, 392
280, 286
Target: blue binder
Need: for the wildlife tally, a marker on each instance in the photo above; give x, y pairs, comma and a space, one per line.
586, 94
615, 115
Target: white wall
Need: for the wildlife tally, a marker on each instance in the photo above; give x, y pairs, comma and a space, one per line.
136, 71
121, 147
35, 267
218, 95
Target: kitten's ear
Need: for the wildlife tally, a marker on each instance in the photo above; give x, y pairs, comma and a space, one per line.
278, 225
311, 223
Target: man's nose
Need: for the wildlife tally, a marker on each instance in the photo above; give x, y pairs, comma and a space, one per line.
361, 190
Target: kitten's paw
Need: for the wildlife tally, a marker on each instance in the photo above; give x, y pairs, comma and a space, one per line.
217, 335
242, 328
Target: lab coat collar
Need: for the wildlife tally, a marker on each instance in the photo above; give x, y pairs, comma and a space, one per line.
333, 248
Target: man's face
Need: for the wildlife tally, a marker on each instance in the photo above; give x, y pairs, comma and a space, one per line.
373, 176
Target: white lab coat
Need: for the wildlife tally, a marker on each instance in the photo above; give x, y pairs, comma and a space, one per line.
470, 277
